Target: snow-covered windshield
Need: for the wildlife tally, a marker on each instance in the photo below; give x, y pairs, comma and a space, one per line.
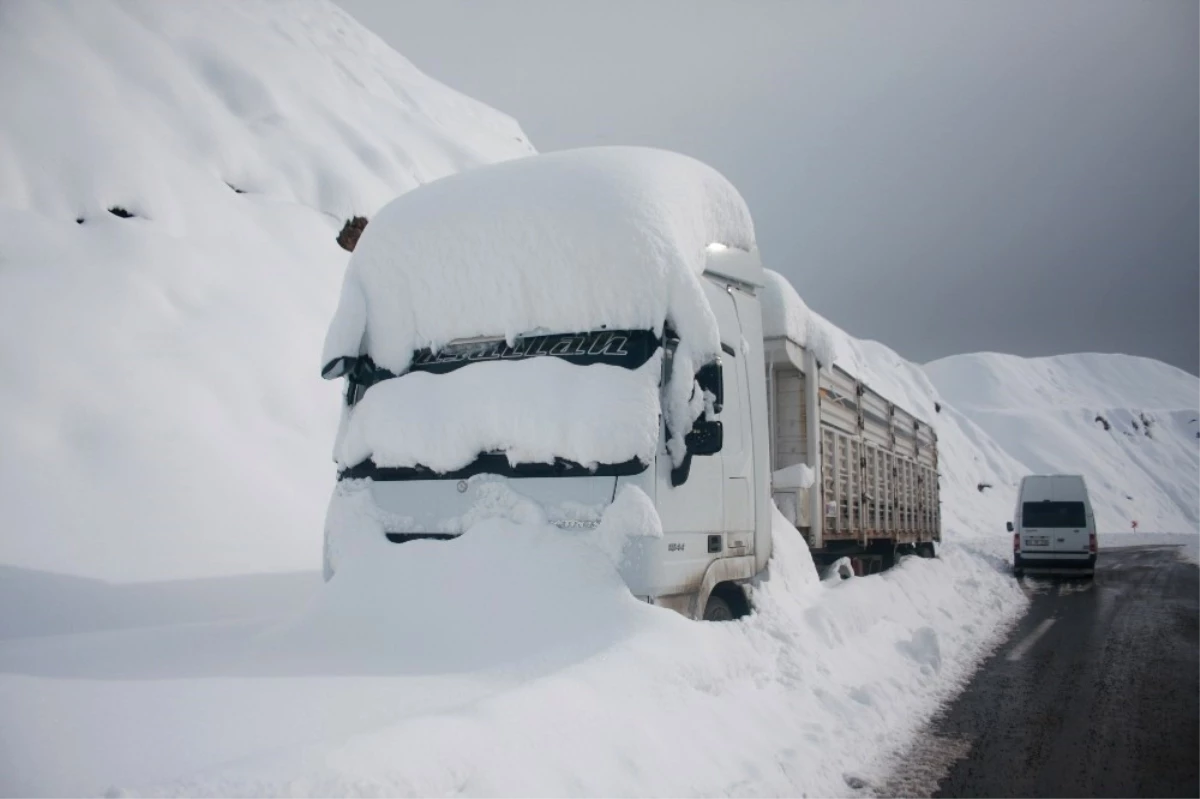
543, 405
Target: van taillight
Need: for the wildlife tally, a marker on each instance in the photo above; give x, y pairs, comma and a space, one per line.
1016, 542
1092, 543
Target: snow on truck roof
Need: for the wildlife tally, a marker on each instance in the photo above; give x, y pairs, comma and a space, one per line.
569, 241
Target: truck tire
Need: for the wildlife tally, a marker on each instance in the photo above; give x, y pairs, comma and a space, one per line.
925, 550
717, 609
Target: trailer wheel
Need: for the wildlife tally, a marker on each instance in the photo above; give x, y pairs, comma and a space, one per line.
717, 609
925, 550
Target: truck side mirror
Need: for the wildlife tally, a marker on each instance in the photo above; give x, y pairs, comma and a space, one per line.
339, 367
1010, 527
706, 438
710, 379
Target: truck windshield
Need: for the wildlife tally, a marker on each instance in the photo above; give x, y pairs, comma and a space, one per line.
526, 408
1053, 514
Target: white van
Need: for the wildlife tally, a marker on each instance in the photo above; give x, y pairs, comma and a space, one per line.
1054, 529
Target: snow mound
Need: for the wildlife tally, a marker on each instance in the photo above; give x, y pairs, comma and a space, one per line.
437, 607
563, 242
161, 418
1127, 424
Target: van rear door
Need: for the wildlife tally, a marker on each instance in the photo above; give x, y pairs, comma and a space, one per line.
1055, 528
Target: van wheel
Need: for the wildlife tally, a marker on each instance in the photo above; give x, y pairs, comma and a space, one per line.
717, 609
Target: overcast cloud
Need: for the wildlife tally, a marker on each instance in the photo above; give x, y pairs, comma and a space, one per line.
944, 177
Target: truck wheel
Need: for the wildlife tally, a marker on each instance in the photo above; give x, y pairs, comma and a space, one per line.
925, 550
717, 609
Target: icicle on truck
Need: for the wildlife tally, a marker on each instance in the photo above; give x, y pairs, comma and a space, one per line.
577, 338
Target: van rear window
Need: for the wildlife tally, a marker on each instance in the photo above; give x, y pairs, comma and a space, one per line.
1053, 514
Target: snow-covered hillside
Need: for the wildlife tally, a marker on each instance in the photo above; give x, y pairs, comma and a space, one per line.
162, 414
1128, 424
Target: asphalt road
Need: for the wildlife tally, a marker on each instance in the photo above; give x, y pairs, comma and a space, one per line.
1095, 693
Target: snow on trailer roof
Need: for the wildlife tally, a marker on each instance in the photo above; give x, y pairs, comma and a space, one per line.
787, 317
569, 241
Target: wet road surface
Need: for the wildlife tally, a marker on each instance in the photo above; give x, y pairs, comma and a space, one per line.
1095, 693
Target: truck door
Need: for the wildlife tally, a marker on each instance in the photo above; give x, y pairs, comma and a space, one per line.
736, 462
716, 501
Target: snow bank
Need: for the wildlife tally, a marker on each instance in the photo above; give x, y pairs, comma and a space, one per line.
564, 242
160, 418
533, 411
1127, 424
517, 679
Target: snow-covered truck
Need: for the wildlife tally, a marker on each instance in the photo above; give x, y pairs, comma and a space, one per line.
576, 339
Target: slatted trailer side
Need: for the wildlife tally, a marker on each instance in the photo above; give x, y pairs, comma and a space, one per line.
876, 464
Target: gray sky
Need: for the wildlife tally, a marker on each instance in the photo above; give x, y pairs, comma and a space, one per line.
941, 176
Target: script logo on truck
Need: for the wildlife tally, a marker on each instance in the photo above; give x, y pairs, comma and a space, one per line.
627, 348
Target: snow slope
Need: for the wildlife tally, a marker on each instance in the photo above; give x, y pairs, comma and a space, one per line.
1044, 411
162, 415
163, 419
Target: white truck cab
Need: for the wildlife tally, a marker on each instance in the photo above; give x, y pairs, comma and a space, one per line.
548, 338
713, 507
1054, 529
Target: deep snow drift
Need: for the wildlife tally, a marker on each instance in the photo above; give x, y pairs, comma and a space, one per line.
1129, 425
517, 680
160, 415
